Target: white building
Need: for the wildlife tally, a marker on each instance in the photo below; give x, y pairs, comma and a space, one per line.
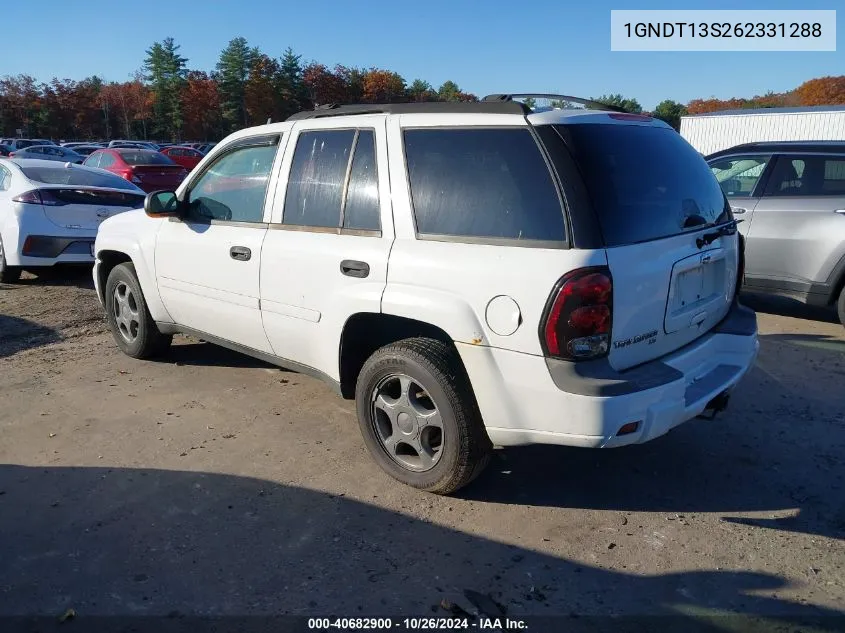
715, 131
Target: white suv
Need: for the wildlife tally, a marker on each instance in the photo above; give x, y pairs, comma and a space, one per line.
473, 274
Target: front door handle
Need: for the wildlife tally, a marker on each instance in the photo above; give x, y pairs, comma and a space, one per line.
840, 211
737, 211
240, 253
353, 268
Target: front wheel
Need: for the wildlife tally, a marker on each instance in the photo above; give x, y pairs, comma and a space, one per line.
418, 416
130, 322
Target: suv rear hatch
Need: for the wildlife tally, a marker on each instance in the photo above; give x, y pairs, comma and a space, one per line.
662, 216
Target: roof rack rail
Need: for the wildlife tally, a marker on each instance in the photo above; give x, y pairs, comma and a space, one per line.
427, 107
593, 105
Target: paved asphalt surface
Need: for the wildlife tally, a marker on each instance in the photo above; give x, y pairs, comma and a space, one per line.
210, 483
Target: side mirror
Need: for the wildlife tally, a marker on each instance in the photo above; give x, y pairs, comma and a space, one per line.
162, 204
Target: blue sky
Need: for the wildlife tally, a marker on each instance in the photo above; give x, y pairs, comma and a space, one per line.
485, 46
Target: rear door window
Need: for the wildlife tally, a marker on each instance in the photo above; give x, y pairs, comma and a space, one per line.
645, 182
739, 175
361, 209
811, 175
482, 184
317, 175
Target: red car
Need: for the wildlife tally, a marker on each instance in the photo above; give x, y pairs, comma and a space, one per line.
149, 170
188, 157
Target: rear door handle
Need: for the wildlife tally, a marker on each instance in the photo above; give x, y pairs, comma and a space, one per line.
738, 211
840, 211
240, 253
353, 268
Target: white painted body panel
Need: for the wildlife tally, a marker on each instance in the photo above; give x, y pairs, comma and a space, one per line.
712, 133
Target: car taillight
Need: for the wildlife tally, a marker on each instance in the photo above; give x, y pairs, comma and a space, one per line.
11, 154
36, 196
579, 315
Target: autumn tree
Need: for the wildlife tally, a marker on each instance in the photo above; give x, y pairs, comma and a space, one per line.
822, 91
166, 71
201, 106
21, 99
233, 71
670, 112
382, 86
265, 92
323, 86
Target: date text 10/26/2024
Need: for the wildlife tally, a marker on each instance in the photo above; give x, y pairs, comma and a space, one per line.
416, 624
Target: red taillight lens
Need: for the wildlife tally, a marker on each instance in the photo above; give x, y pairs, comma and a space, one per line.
579, 319
11, 154
42, 196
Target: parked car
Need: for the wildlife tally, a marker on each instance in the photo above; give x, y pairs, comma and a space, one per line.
49, 152
138, 144
42, 141
791, 196
148, 169
188, 157
5, 150
86, 150
49, 212
74, 144
18, 143
452, 294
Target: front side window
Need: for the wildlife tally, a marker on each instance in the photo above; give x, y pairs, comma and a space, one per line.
807, 176
738, 176
482, 183
107, 160
233, 188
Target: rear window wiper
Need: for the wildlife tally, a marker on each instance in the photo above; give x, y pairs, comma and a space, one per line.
728, 228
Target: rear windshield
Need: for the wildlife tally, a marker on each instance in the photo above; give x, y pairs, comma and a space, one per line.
76, 176
142, 157
645, 182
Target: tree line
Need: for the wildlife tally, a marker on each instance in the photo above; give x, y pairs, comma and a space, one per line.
166, 100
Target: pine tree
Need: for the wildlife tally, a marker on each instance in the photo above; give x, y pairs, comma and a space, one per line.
166, 71
233, 71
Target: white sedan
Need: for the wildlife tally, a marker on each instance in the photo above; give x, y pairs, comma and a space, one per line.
50, 212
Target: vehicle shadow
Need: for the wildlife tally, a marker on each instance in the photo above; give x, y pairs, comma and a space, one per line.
17, 334
79, 276
776, 449
785, 306
193, 351
135, 542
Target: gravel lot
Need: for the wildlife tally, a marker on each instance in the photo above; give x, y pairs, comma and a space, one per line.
210, 483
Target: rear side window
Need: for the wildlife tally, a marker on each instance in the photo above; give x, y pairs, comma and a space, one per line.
333, 181
739, 175
807, 176
646, 182
482, 183
145, 158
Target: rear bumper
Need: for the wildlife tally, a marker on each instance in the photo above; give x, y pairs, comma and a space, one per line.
32, 251
526, 399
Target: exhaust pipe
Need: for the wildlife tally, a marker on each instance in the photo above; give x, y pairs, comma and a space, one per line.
716, 406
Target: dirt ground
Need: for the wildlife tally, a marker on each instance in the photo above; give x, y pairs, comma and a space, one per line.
210, 483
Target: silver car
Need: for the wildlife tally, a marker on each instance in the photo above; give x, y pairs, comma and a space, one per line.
791, 196
50, 152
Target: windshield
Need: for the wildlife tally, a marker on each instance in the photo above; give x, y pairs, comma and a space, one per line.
142, 157
76, 176
646, 182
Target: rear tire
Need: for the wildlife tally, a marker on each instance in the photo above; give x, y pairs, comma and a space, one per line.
419, 417
840, 306
130, 322
8, 274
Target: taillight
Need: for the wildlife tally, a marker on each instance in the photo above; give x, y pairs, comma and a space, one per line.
42, 196
11, 154
579, 315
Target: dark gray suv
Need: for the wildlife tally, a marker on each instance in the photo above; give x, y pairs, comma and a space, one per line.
791, 196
